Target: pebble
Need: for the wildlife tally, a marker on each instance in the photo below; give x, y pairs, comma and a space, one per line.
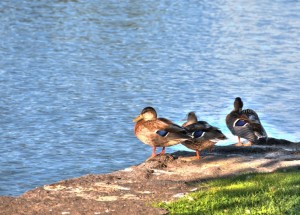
179, 195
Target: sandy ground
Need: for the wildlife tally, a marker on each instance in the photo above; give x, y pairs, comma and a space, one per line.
163, 178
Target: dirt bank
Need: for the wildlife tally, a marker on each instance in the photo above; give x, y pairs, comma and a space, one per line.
163, 178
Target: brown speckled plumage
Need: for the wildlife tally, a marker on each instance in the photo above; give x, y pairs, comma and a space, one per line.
158, 132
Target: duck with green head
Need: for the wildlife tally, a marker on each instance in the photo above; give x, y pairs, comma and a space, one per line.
158, 132
245, 124
204, 135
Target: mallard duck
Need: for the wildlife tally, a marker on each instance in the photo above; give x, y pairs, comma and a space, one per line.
245, 124
158, 132
204, 135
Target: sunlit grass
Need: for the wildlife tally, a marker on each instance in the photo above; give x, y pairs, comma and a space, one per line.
256, 193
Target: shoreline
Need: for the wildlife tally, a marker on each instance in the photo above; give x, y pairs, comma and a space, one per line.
162, 178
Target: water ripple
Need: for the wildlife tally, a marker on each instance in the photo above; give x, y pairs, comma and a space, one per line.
74, 75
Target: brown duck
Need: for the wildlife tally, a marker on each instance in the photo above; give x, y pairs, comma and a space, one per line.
204, 135
158, 132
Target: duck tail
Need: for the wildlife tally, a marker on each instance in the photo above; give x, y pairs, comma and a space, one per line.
223, 137
262, 140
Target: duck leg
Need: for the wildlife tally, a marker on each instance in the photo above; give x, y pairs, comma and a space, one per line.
239, 142
197, 155
163, 151
153, 151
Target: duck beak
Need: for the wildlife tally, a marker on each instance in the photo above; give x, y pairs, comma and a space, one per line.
138, 118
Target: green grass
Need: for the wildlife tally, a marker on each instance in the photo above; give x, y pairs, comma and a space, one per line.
255, 193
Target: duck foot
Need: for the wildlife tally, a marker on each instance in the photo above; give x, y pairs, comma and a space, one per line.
238, 144
154, 151
248, 144
194, 158
197, 157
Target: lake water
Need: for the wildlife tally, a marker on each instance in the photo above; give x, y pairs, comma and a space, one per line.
74, 74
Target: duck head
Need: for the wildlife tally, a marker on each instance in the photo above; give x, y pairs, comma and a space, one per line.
191, 117
238, 104
148, 113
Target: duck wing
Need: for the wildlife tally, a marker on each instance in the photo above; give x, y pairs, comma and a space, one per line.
245, 131
240, 125
255, 122
200, 125
169, 126
214, 133
204, 131
230, 119
171, 131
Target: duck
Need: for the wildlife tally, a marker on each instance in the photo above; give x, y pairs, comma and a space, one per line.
204, 135
245, 124
158, 132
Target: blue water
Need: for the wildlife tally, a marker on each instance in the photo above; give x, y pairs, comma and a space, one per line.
74, 74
